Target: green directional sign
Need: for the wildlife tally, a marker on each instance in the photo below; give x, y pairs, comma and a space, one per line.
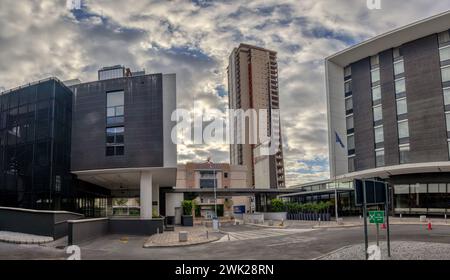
376, 217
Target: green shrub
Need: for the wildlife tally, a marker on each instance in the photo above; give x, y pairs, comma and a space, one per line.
277, 205
197, 211
187, 206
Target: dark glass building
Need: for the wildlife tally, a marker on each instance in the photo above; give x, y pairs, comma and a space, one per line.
35, 151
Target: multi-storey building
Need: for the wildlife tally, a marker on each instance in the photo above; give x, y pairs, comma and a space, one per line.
253, 84
389, 113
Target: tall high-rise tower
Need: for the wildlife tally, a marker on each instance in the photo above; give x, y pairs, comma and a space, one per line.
253, 84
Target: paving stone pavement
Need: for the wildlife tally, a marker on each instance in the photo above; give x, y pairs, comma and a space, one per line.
23, 238
196, 235
400, 250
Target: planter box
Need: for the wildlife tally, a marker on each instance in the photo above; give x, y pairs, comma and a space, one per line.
187, 220
276, 216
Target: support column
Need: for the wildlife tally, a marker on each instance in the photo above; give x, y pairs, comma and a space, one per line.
155, 195
146, 195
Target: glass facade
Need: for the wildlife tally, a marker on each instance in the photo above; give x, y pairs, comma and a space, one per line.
423, 198
35, 138
35, 147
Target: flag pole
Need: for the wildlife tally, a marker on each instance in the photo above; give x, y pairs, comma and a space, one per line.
335, 181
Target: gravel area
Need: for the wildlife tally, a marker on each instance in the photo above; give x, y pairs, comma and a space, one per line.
400, 250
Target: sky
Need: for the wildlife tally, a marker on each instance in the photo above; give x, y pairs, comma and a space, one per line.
43, 38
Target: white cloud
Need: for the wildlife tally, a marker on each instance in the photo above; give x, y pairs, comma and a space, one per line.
40, 38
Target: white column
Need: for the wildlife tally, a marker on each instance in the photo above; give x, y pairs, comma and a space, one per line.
146, 195
155, 195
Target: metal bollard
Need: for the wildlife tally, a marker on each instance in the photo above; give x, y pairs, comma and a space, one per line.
157, 230
229, 237
207, 234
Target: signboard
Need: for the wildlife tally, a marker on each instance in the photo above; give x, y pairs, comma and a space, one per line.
375, 192
240, 209
376, 217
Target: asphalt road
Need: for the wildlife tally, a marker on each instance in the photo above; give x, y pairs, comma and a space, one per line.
260, 245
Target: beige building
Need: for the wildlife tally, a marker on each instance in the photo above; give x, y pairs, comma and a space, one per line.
253, 84
215, 175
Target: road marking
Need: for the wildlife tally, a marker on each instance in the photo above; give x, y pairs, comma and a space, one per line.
258, 234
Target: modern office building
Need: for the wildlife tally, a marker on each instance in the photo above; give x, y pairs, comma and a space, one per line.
389, 113
253, 84
74, 148
220, 176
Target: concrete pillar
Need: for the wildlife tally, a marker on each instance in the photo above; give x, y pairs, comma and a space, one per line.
146, 190
155, 195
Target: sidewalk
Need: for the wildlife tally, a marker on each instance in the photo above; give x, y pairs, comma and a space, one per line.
196, 235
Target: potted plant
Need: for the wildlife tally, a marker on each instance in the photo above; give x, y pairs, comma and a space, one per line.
187, 219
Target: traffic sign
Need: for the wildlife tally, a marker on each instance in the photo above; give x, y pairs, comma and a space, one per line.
376, 217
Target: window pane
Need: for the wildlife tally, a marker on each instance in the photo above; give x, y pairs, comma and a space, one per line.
348, 86
351, 164
376, 93
402, 107
400, 86
374, 60
379, 135
446, 74
111, 112
348, 104
115, 99
404, 154
351, 142
350, 122
377, 113
347, 71
447, 115
379, 158
403, 130
447, 96
445, 53
375, 75
444, 37
399, 67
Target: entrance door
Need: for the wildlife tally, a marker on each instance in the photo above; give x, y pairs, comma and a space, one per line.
178, 215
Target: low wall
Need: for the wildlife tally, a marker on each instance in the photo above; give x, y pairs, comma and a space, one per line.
275, 216
37, 222
256, 218
85, 230
136, 226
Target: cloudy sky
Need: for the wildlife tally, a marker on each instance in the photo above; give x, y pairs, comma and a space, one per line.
42, 38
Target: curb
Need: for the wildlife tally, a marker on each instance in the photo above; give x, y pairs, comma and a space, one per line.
175, 245
28, 242
331, 253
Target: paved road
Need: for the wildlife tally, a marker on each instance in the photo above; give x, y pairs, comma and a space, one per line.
270, 244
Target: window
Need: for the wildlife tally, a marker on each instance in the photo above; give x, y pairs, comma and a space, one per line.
374, 61
377, 113
399, 67
404, 154
375, 75
447, 96
444, 37
445, 53
379, 135
447, 116
348, 104
348, 86
379, 156
115, 107
400, 86
347, 71
396, 53
448, 143
351, 164
403, 129
402, 106
446, 74
225, 175
349, 121
351, 142
376, 93
115, 141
